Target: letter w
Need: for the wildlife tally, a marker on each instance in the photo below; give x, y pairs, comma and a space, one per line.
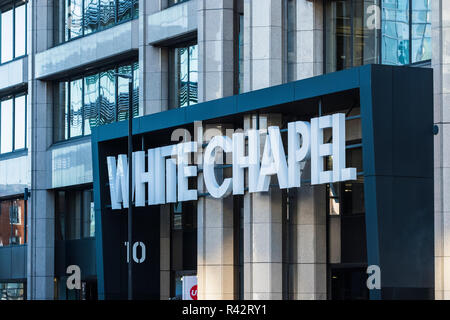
118, 181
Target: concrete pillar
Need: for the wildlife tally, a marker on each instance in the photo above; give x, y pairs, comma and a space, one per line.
153, 64
263, 45
307, 266
308, 39
263, 243
40, 265
215, 49
215, 242
440, 29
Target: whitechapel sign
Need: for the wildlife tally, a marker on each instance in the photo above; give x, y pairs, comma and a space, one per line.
168, 167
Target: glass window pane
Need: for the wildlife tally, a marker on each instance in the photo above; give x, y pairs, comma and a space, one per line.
395, 32
107, 97
91, 103
107, 12
135, 8
74, 18
183, 73
193, 75
91, 15
20, 31
136, 110
7, 36
19, 122
122, 94
338, 35
124, 9
12, 222
6, 125
76, 116
421, 30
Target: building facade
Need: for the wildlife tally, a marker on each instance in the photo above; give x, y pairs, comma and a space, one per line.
232, 64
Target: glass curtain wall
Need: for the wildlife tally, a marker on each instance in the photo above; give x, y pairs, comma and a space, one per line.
13, 223
406, 31
92, 100
13, 27
183, 78
13, 123
12, 291
77, 18
403, 37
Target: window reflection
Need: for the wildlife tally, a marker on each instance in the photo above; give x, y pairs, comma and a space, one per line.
12, 222
107, 13
91, 16
12, 291
184, 76
107, 97
406, 31
75, 18
91, 101
81, 104
75, 112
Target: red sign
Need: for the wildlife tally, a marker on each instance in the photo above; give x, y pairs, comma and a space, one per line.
193, 292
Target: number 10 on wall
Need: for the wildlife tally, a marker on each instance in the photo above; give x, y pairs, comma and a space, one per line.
135, 257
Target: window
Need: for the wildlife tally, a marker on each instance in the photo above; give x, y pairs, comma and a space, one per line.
406, 31
13, 123
75, 215
348, 41
12, 291
404, 38
13, 30
183, 78
12, 222
95, 99
290, 29
82, 17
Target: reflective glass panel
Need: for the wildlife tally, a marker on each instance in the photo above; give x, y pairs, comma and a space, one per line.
136, 111
122, 94
74, 18
107, 97
107, 12
91, 16
12, 291
12, 222
183, 54
395, 32
124, 9
20, 31
19, 122
6, 126
91, 102
75, 114
193, 75
7, 35
421, 30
